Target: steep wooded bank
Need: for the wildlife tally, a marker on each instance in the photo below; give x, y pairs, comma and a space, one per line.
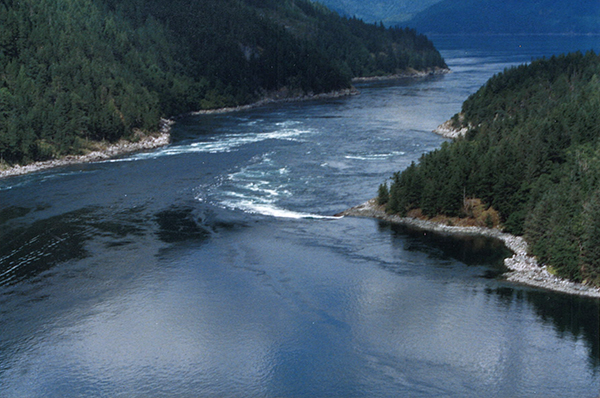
530, 159
78, 71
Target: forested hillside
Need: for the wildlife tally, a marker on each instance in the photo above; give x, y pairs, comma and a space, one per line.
75, 71
390, 12
531, 155
509, 16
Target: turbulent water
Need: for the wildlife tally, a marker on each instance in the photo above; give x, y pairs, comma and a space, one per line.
214, 266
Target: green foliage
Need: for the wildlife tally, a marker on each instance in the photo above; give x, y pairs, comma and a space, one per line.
391, 12
74, 71
62, 81
383, 195
533, 153
590, 238
357, 48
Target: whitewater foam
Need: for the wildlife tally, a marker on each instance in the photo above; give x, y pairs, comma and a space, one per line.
375, 156
221, 143
264, 209
258, 188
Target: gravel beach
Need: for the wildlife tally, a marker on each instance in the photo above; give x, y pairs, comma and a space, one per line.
144, 142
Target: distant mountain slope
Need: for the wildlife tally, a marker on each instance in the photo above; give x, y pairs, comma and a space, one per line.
509, 16
391, 12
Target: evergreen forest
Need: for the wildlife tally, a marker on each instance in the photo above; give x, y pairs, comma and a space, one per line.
531, 157
79, 71
390, 12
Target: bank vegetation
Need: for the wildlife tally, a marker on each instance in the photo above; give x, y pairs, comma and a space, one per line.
528, 162
77, 72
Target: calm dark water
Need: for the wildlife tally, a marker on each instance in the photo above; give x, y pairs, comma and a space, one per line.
213, 267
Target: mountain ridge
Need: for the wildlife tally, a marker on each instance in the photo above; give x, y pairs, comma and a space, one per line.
509, 17
390, 12
478, 16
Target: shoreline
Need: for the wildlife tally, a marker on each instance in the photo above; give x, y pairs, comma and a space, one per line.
523, 268
163, 136
277, 98
283, 96
446, 130
404, 75
158, 139
144, 142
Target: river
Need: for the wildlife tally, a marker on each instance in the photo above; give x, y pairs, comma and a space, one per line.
213, 267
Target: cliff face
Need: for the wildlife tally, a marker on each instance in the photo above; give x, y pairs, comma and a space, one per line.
448, 130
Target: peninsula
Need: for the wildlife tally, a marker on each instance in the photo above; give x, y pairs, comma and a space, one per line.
523, 267
525, 156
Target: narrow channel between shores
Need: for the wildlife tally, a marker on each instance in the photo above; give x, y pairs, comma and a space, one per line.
163, 136
155, 140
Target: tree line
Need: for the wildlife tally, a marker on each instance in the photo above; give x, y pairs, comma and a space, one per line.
79, 71
531, 154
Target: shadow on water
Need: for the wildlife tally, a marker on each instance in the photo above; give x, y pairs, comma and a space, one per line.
468, 249
13, 212
570, 315
178, 224
26, 251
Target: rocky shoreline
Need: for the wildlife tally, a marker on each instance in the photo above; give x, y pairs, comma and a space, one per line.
280, 98
142, 142
163, 136
523, 267
284, 96
408, 74
447, 130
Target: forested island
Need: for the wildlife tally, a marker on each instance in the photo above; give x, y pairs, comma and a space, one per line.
528, 161
78, 72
